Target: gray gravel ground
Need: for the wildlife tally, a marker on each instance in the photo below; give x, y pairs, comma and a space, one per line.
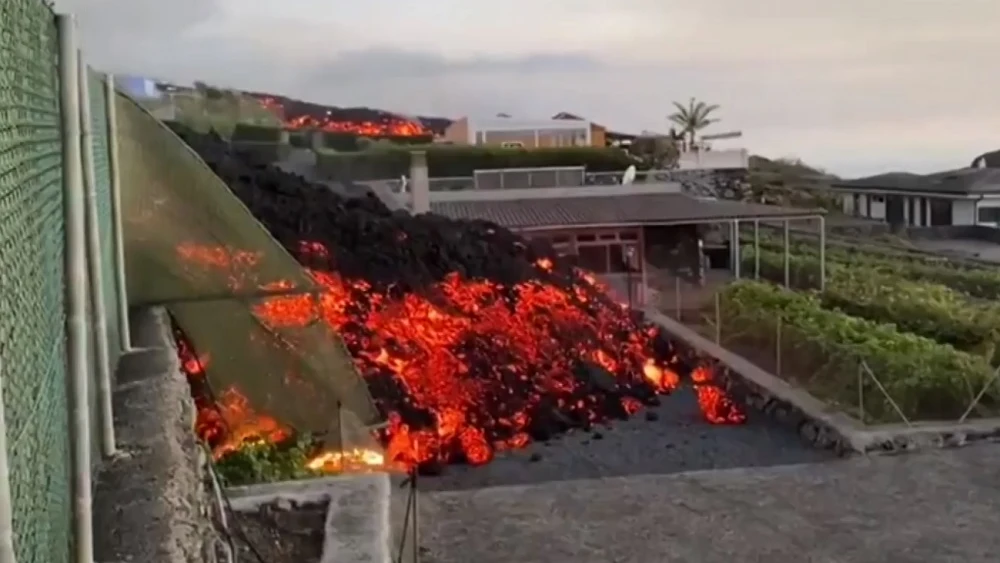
679, 441
931, 507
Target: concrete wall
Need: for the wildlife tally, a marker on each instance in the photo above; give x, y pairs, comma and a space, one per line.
151, 502
675, 249
963, 212
727, 159
457, 132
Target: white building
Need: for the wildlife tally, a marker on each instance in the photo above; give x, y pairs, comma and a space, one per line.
968, 196
525, 133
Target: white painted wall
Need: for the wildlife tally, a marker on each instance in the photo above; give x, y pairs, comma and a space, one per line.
848, 204
876, 207
963, 212
724, 159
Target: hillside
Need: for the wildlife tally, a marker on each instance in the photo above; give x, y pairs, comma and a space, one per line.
791, 182
361, 120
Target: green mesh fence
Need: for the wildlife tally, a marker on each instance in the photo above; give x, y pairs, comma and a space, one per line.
32, 358
102, 174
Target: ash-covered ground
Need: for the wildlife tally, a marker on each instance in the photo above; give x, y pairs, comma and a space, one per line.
677, 440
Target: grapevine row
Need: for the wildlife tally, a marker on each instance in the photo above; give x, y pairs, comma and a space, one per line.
926, 379
928, 309
982, 283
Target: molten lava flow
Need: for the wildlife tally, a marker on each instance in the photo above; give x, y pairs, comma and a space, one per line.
471, 367
228, 422
715, 405
386, 127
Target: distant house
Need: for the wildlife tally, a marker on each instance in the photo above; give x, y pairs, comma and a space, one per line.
528, 133
968, 196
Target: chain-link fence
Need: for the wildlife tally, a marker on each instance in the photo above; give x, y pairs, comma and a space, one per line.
32, 305
191, 246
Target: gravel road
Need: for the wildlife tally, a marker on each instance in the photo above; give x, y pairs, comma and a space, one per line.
678, 441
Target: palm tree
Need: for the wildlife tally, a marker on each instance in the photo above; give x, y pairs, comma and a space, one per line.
693, 118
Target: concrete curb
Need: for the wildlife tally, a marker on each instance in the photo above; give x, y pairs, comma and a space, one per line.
820, 423
358, 523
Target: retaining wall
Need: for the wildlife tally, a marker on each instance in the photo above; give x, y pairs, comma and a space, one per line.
818, 423
151, 503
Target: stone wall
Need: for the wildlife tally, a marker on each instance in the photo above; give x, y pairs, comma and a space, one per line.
151, 502
721, 184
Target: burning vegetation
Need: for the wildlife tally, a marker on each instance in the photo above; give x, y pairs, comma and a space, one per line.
471, 340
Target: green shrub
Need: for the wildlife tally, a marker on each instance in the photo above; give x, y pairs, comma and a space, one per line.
344, 141
823, 348
300, 139
247, 132
380, 162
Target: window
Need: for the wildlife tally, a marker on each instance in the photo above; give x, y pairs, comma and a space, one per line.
629, 235
586, 238
989, 215
593, 258
562, 250
878, 199
623, 258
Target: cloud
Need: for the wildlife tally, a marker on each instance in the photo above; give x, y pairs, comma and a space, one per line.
845, 84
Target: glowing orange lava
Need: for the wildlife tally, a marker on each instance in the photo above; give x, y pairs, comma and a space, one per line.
388, 127
468, 368
228, 422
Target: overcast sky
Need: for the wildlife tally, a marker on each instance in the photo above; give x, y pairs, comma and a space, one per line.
855, 86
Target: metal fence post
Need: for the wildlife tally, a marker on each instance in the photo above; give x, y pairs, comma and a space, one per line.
6, 511
777, 348
117, 234
76, 292
99, 324
787, 257
822, 253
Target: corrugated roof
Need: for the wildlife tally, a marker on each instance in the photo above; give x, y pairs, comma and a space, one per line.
612, 210
964, 181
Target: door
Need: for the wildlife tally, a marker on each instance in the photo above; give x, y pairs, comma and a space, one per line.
940, 212
894, 212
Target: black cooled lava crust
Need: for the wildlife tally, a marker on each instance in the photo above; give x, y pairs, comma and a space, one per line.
398, 253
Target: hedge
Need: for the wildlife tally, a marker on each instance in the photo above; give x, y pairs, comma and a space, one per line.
263, 152
300, 139
344, 141
381, 162
256, 133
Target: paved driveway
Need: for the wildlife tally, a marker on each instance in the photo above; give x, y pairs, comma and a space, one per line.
932, 507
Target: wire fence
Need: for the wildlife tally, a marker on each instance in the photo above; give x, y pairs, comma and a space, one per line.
56, 325
875, 388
